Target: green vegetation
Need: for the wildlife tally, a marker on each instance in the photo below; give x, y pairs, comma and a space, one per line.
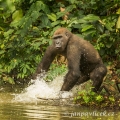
26, 27
97, 100
101, 100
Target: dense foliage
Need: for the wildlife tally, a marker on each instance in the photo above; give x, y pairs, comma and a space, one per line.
99, 100
26, 27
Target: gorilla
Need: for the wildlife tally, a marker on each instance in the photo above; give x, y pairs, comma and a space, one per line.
84, 62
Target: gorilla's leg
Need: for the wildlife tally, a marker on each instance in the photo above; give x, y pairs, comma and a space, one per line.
70, 80
83, 78
97, 76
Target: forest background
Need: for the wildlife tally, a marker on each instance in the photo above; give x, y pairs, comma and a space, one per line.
26, 28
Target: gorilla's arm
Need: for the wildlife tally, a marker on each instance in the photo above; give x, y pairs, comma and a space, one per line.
46, 60
73, 57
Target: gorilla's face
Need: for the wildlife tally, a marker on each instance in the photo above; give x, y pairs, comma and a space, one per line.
60, 39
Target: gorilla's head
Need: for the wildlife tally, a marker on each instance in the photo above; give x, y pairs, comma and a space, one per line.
61, 38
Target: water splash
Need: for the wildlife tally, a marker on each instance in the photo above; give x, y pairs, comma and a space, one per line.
41, 90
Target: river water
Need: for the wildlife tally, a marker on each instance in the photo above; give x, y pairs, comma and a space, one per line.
43, 101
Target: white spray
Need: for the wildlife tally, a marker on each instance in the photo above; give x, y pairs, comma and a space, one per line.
41, 90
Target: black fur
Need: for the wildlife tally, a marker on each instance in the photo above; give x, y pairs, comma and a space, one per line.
84, 62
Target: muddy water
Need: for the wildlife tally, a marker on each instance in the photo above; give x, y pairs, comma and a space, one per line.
43, 101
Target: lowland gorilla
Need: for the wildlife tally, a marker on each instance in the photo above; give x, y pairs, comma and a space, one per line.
84, 62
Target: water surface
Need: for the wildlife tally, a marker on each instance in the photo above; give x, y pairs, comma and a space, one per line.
43, 101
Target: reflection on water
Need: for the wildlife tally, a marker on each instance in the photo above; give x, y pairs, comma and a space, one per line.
42, 101
43, 112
